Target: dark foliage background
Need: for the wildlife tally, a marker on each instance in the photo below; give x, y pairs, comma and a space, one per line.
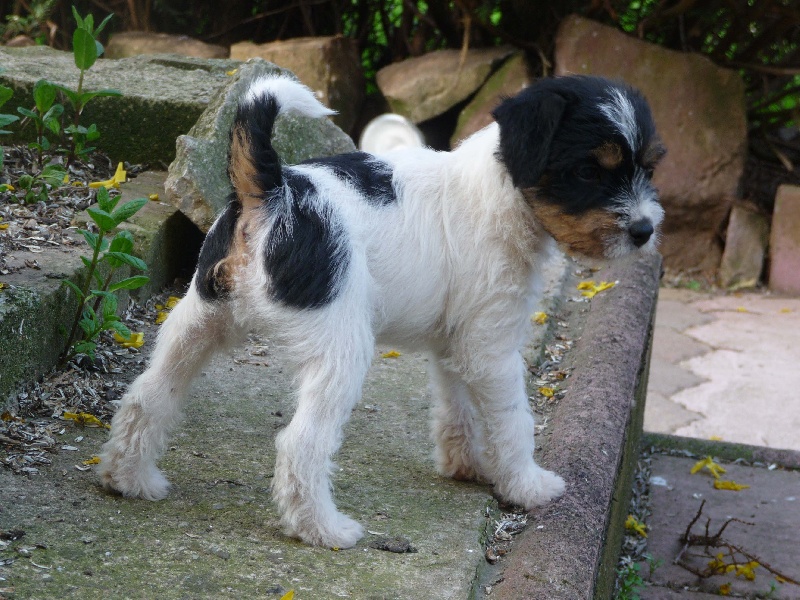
758, 38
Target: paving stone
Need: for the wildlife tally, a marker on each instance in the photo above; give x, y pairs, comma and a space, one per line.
662, 415
772, 504
670, 379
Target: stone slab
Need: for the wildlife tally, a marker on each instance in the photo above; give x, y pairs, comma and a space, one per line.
784, 272
662, 415
133, 43
745, 248
771, 504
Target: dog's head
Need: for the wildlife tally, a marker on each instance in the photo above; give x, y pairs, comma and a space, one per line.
582, 150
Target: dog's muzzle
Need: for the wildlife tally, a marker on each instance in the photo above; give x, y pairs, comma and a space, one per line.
640, 232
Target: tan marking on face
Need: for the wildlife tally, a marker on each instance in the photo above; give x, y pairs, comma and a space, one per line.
609, 155
243, 171
588, 234
654, 152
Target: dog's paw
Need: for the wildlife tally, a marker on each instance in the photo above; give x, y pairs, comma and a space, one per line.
339, 532
532, 488
132, 479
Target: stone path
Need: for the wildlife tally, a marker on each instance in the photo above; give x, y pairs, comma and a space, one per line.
726, 367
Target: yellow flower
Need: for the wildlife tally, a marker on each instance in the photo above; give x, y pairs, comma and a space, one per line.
95, 460
547, 392
161, 316
725, 589
748, 571
708, 463
632, 524
119, 177
135, 341
85, 419
539, 318
719, 484
172, 302
591, 289
718, 564
391, 354
153, 197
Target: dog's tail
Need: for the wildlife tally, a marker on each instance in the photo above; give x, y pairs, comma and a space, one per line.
254, 167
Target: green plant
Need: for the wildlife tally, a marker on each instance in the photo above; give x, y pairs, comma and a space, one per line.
5, 120
35, 187
629, 581
45, 116
85, 49
35, 24
97, 308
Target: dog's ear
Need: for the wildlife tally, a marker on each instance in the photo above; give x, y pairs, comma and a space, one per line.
528, 122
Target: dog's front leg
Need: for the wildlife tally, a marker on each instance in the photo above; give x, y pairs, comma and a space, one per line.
509, 428
329, 386
151, 406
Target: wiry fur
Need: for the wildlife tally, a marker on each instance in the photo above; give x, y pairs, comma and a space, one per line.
448, 259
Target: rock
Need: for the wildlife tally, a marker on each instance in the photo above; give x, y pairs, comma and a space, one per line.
162, 97
427, 86
20, 41
198, 183
745, 247
699, 109
784, 272
507, 81
328, 65
134, 43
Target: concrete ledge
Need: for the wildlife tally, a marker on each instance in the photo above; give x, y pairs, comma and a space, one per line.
571, 549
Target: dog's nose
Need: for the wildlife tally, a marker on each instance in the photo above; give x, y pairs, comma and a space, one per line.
641, 231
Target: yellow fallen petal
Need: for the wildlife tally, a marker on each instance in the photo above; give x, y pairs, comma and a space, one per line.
161, 316
65, 180
786, 310
748, 571
708, 463
85, 419
230, 73
741, 309
153, 197
591, 289
719, 484
3, 285
391, 354
9, 187
172, 302
632, 524
135, 341
718, 564
3, 226
715, 438
540, 318
547, 392
725, 589
95, 460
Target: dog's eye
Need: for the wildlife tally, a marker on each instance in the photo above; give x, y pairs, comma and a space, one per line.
588, 173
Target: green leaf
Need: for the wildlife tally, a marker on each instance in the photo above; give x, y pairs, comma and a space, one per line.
54, 113
86, 96
117, 259
104, 220
86, 348
44, 94
5, 94
120, 328
83, 48
54, 126
71, 95
76, 290
109, 305
53, 175
88, 23
27, 113
127, 210
122, 242
102, 25
131, 283
8, 119
78, 19
25, 181
105, 201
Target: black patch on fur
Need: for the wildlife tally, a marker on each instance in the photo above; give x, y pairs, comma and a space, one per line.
306, 252
215, 248
548, 134
257, 118
371, 177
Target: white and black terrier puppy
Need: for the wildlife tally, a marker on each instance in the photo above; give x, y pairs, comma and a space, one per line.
439, 251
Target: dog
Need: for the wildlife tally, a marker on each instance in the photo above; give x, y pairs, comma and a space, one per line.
440, 251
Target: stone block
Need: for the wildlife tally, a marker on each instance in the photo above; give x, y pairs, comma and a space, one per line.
509, 79
198, 182
745, 248
784, 272
426, 86
699, 109
162, 97
330, 66
135, 43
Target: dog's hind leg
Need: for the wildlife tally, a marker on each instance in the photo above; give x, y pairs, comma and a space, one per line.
152, 405
330, 373
457, 432
509, 427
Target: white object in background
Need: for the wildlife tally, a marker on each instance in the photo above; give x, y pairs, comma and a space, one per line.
390, 132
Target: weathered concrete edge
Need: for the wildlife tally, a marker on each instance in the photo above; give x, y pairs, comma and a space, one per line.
571, 549
788, 459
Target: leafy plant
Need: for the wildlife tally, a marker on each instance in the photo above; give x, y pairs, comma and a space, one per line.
629, 581
45, 116
35, 187
97, 308
5, 120
85, 49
